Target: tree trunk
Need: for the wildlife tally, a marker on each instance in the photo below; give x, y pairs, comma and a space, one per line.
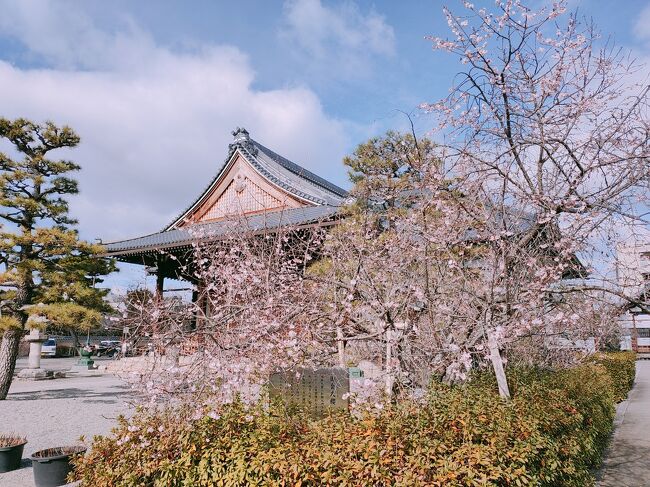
8, 355
340, 345
389, 367
77, 343
497, 365
11, 338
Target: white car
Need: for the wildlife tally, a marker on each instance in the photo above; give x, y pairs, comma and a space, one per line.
49, 348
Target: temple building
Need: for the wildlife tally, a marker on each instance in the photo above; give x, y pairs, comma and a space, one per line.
256, 190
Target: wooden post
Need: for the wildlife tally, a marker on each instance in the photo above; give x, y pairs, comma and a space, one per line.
340, 342
389, 368
497, 365
160, 283
158, 296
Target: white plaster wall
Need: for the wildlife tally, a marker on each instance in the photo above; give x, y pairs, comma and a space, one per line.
631, 265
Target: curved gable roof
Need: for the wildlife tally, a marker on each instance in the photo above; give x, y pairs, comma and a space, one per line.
280, 171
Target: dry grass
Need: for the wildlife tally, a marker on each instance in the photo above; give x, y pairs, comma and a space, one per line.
10, 439
59, 451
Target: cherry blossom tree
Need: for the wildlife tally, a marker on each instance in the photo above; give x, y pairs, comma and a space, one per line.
254, 314
386, 269
546, 122
479, 250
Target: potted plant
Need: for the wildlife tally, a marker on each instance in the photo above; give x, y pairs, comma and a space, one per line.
52, 466
11, 452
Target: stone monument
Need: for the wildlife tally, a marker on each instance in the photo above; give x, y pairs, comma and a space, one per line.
317, 391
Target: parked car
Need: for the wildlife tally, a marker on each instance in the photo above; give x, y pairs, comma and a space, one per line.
49, 348
108, 347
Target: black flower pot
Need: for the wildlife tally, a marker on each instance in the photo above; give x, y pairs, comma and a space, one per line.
10, 457
52, 466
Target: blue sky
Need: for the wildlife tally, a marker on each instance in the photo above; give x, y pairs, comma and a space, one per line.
154, 86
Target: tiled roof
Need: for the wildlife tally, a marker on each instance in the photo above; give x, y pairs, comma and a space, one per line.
213, 230
288, 175
300, 174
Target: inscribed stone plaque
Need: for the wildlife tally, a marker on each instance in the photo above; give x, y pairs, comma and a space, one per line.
317, 390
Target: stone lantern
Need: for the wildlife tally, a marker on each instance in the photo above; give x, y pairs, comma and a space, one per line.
35, 338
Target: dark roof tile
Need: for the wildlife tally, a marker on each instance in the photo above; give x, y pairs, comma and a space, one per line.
214, 230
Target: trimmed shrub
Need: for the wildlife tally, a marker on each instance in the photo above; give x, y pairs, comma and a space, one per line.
552, 433
621, 366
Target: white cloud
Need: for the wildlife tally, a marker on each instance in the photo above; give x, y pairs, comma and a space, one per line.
155, 124
67, 37
642, 25
639, 77
341, 38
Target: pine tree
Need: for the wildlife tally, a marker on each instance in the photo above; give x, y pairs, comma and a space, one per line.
68, 292
43, 260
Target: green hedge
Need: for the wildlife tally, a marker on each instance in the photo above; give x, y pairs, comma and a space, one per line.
552, 433
621, 366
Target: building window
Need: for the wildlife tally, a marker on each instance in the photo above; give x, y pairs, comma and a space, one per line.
643, 332
646, 276
645, 255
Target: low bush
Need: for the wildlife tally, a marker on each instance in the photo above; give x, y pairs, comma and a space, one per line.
552, 433
621, 366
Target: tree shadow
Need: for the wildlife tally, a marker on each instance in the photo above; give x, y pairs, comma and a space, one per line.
90, 395
626, 465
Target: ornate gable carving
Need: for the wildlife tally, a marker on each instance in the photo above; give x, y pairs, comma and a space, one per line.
240, 191
242, 196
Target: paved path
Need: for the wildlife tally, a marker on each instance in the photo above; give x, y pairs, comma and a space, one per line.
627, 463
57, 412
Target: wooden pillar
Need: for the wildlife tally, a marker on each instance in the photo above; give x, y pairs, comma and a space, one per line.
158, 295
160, 283
195, 298
160, 276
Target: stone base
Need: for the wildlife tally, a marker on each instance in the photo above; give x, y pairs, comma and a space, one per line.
86, 362
79, 367
36, 374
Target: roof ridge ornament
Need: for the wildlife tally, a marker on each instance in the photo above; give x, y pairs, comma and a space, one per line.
242, 139
240, 134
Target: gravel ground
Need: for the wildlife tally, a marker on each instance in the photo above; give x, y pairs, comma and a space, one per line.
57, 412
